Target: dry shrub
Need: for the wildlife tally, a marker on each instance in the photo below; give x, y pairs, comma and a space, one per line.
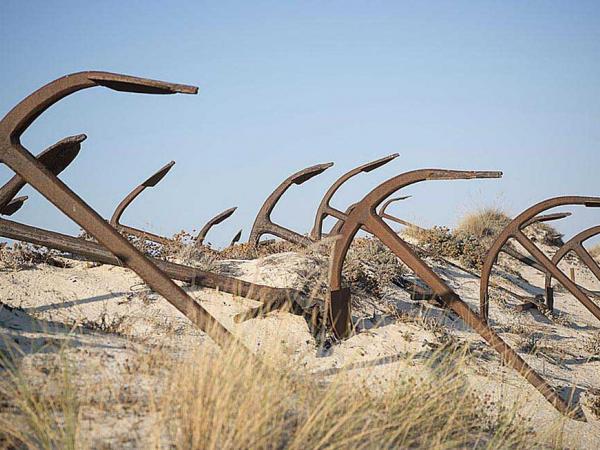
470, 241
484, 224
22, 256
224, 399
247, 251
595, 251
370, 266
440, 241
38, 418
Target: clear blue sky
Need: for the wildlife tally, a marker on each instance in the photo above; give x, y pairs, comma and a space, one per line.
511, 86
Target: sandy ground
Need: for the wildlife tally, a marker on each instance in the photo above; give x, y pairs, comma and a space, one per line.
43, 304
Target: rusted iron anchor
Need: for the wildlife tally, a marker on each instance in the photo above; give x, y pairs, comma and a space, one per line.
514, 231
263, 223
55, 158
364, 215
148, 183
24, 164
325, 209
215, 221
575, 245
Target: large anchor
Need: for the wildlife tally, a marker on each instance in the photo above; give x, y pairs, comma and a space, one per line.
364, 214
514, 230
33, 172
575, 245
56, 158
325, 209
263, 223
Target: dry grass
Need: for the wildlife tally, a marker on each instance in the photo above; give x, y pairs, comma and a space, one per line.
470, 241
595, 251
484, 224
20, 256
223, 400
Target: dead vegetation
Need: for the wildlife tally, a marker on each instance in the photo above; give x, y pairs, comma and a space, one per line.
470, 241
20, 256
221, 399
595, 251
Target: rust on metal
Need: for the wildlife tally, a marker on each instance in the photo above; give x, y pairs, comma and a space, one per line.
55, 158
364, 215
13, 205
211, 223
148, 183
325, 209
236, 238
263, 223
24, 164
514, 230
575, 245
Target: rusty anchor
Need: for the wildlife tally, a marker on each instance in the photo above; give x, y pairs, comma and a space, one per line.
363, 214
575, 245
325, 209
148, 183
215, 221
24, 164
236, 238
514, 231
263, 223
55, 158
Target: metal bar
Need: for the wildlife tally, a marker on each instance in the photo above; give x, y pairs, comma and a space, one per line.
385, 215
263, 223
192, 275
211, 223
325, 209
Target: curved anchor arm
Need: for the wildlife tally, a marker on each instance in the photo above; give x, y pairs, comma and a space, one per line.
150, 182
211, 223
575, 244
514, 230
236, 238
325, 209
20, 160
364, 214
385, 215
13, 206
55, 158
264, 225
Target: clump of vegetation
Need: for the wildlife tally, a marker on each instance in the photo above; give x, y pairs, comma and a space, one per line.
247, 251
470, 241
20, 256
593, 401
370, 266
592, 344
225, 399
595, 251
483, 225
440, 241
